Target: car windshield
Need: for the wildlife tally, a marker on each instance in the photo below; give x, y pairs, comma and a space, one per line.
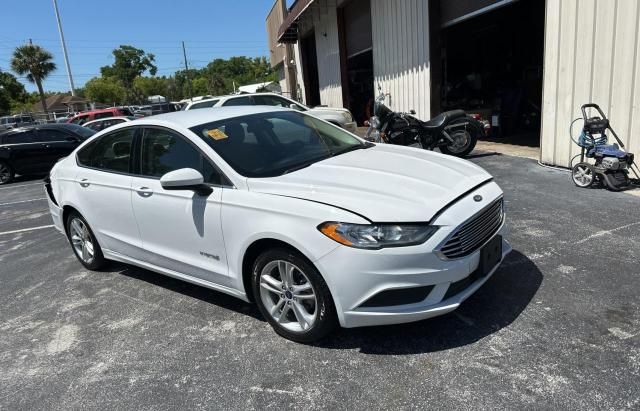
275, 143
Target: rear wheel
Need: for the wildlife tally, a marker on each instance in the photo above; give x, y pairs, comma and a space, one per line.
292, 296
6, 173
464, 141
84, 243
583, 175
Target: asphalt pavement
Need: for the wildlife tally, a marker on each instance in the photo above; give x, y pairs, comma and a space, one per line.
557, 326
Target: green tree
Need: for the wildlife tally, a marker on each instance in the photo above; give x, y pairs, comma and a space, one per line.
12, 92
129, 63
107, 90
36, 63
150, 86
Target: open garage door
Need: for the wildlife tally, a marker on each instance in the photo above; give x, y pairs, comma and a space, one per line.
491, 56
354, 27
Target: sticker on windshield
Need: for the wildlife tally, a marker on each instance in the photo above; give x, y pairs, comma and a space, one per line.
217, 134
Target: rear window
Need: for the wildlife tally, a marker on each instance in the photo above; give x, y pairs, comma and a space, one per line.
204, 104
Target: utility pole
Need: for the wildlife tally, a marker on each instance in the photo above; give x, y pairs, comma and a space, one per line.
64, 49
186, 67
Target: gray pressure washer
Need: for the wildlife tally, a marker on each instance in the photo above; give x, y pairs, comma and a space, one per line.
611, 162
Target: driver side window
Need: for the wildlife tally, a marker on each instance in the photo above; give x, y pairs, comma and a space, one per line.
164, 151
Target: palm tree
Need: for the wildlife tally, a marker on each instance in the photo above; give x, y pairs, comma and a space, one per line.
36, 63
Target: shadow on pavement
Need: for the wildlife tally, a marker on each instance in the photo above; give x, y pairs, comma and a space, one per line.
190, 290
478, 154
494, 306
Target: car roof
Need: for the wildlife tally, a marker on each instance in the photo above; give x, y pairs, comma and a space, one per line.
102, 110
192, 118
106, 118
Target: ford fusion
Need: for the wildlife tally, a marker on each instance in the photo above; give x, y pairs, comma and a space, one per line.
316, 226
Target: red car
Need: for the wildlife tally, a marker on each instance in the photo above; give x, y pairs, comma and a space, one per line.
85, 116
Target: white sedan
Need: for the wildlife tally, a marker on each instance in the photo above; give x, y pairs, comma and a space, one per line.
102, 123
339, 116
313, 224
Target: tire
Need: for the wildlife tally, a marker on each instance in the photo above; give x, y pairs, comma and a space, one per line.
583, 175
302, 306
470, 133
6, 173
83, 242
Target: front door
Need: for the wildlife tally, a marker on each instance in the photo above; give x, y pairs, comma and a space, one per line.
180, 229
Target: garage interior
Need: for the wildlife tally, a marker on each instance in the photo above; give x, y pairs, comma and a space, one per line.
356, 58
490, 56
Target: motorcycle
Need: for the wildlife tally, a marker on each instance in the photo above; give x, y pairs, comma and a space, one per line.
453, 132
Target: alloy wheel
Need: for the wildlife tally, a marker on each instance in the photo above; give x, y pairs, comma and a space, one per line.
288, 296
81, 240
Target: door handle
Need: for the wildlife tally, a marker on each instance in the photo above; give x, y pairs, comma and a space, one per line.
144, 191
46, 146
84, 183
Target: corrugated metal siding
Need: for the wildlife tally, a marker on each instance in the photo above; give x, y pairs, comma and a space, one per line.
592, 54
401, 53
325, 22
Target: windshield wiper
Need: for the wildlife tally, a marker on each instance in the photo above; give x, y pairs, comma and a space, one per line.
353, 148
305, 164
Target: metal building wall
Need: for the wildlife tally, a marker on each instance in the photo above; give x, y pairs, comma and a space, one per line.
401, 53
592, 54
325, 22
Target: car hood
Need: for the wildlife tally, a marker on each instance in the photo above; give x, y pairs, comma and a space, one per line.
384, 183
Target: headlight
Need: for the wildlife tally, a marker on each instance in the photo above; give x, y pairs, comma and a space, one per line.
347, 116
376, 236
374, 122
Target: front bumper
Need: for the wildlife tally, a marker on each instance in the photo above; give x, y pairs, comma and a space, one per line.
355, 276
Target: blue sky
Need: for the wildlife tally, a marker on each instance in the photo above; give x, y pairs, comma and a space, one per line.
210, 29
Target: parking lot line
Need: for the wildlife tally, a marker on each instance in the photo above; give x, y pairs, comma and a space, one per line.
23, 201
27, 229
20, 185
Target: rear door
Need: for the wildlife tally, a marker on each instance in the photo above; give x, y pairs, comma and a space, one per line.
103, 187
26, 155
55, 144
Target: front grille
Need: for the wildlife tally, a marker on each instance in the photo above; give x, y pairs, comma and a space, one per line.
475, 232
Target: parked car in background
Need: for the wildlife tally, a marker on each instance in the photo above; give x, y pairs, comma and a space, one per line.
338, 116
101, 124
87, 116
18, 120
203, 103
35, 149
320, 227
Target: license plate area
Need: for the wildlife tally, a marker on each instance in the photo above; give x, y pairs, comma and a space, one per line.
490, 255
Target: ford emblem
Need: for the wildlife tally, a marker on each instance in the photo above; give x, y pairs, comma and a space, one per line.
477, 198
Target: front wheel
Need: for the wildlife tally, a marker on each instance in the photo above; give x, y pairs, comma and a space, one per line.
292, 296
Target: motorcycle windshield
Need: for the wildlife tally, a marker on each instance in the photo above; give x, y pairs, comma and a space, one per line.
380, 110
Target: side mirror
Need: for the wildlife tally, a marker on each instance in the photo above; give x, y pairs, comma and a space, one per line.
294, 106
185, 179
412, 111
